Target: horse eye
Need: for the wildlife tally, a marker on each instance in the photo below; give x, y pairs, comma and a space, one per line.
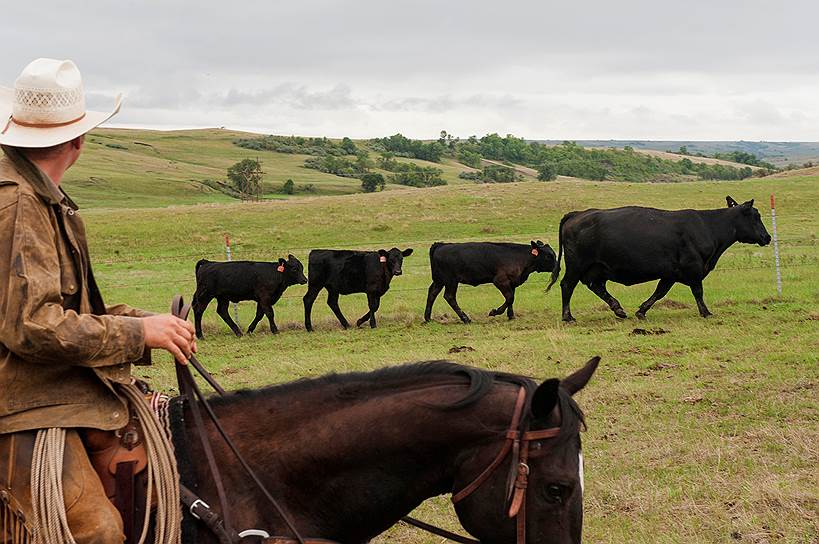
554, 493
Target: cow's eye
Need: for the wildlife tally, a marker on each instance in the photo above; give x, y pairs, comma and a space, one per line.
554, 493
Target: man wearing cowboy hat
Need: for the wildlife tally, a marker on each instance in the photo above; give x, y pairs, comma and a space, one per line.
62, 350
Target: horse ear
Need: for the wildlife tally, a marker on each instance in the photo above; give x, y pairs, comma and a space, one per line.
407, 252
731, 202
579, 379
545, 398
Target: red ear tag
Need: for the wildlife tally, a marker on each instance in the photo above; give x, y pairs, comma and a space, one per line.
280, 268
382, 259
534, 252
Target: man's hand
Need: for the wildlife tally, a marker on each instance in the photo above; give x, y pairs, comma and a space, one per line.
170, 333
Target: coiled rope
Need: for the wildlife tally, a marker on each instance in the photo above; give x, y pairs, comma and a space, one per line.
162, 472
50, 521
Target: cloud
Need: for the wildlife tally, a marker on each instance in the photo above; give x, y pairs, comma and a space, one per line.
597, 69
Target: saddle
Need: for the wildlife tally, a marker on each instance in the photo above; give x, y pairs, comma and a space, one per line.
120, 459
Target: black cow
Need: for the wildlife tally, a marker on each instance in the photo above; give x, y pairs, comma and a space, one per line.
507, 266
633, 245
233, 281
343, 272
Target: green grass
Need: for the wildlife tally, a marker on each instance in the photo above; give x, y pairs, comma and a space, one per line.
707, 433
144, 169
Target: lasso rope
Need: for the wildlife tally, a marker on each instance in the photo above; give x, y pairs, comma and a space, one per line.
50, 521
162, 472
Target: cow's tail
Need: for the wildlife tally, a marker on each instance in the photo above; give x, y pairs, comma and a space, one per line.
556, 271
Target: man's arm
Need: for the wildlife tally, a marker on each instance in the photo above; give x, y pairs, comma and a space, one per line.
128, 311
33, 323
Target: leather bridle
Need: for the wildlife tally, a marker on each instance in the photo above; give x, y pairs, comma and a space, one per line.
516, 444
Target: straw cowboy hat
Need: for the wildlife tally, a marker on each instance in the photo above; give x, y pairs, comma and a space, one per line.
46, 107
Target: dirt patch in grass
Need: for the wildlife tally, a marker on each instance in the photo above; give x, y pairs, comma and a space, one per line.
672, 304
460, 349
648, 332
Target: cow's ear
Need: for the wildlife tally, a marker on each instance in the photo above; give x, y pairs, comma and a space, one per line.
290, 257
282, 262
579, 379
534, 244
382, 252
749, 204
545, 398
540, 243
407, 252
731, 202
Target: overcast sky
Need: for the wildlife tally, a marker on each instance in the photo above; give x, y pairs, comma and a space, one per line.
582, 69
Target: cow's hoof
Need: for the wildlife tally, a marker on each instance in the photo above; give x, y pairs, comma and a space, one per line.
466, 321
493, 313
706, 314
640, 315
620, 313
199, 335
569, 320
510, 317
238, 334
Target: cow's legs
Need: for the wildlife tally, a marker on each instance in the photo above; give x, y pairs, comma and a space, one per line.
332, 302
308, 299
267, 307
432, 294
696, 290
508, 293
567, 285
662, 289
199, 303
598, 287
373, 302
450, 294
259, 314
222, 310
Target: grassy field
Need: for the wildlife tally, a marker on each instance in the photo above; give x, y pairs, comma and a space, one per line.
145, 168
707, 431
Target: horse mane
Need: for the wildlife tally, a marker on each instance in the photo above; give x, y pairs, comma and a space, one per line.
358, 385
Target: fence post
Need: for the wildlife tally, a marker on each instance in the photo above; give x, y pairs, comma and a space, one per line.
230, 258
776, 248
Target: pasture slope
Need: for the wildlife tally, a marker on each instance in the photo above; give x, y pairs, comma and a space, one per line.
699, 431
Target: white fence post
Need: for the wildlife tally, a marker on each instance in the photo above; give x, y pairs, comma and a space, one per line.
230, 258
776, 248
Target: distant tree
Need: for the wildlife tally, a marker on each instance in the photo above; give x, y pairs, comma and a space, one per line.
246, 177
348, 146
288, 187
683, 150
546, 172
372, 181
470, 158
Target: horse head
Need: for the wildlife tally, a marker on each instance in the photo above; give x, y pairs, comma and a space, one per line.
535, 493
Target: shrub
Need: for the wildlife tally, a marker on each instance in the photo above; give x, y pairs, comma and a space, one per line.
371, 181
246, 177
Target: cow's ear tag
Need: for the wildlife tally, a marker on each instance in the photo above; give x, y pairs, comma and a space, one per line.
534, 252
382, 259
280, 268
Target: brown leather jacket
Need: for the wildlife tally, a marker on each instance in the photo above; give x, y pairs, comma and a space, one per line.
61, 348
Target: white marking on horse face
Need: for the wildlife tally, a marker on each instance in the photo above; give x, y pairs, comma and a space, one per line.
580, 472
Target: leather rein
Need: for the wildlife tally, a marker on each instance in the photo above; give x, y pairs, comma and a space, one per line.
516, 443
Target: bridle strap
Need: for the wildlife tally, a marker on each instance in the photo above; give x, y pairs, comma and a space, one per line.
509, 444
189, 388
517, 442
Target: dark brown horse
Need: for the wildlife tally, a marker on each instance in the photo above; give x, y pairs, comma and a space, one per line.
348, 455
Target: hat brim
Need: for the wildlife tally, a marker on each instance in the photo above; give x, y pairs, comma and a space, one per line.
22, 136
